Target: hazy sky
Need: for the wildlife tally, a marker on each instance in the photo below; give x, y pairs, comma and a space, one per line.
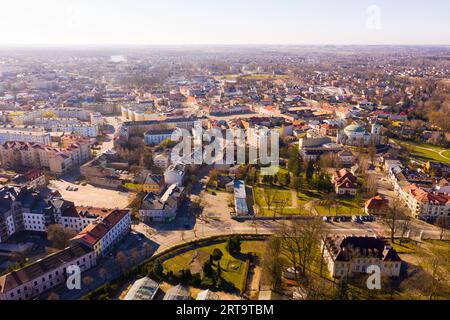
27, 22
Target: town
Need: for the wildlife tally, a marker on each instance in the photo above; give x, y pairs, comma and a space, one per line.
89, 178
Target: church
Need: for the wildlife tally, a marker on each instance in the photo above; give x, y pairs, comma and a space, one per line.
355, 135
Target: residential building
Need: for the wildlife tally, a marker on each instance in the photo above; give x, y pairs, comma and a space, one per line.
345, 182
162, 208
37, 278
15, 154
425, 203
104, 233
174, 174
35, 178
24, 134
154, 137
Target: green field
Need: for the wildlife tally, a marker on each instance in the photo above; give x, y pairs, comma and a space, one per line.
233, 268
281, 195
346, 207
426, 152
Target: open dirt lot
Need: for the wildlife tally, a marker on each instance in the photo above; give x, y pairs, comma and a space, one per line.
89, 195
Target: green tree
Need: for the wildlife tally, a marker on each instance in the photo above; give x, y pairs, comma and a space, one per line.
234, 245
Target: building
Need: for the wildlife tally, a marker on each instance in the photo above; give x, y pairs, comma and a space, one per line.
143, 289
24, 134
16, 154
424, 203
345, 183
78, 218
355, 135
377, 205
23, 209
178, 292
154, 137
161, 160
37, 278
104, 233
82, 129
174, 174
162, 208
207, 295
34, 178
347, 256
240, 198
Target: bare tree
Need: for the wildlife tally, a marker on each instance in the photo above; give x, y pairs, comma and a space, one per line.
87, 281
269, 197
53, 296
299, 238
395, 211
404, 226
442, 223
103, 273
272, 264
60, 236
121, 259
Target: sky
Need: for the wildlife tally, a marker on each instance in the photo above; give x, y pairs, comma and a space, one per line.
200, 22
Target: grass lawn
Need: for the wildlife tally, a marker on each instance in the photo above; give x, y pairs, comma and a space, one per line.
408, 246
346, 207
282, 195
425, 152
233, 269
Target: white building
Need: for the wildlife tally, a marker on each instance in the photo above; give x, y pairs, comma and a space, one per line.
44, 274
174, 174
162, 208
240, 198
82, 129
346, 256
104, 233
24, 134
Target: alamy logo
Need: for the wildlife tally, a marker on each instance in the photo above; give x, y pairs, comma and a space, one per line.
230, 148
74, 277
374, 17
374, 280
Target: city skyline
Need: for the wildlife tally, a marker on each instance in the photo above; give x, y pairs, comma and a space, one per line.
234, 22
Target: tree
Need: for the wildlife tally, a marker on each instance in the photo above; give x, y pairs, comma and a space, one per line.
87, 281
272, 262
103, 273
217, 254
404, 226
122, 260
395, 211
310, 171
372, 151
207, 269
442, 223
298, 240
53, 296
60, 236
269, 196
234, 245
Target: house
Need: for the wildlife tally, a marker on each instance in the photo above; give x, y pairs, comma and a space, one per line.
44, 274
104, 233
348, 256
162, 208
377, 205
34, 178
345, 182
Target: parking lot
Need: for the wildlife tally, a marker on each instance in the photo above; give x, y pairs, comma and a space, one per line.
89, 195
